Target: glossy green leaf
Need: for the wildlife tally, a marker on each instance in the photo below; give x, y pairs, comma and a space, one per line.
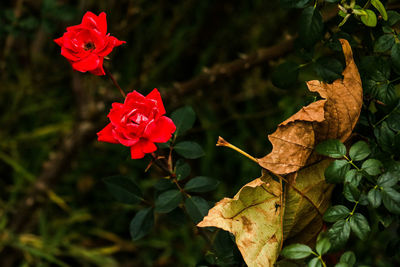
391, 200
374, 197
332, 148
314, 262
183, 119
189, 150
351, 192
359, 225
336, 171
353, 177
359, 151
329, 69
348, 257
123, 189
182, 169
379, 6
323, 246
296, 251
335, 213
196, 208
311, 26
384, 43
201, 184
168, 200
142, 223
388, 179
339, 233
372, 166
369, 19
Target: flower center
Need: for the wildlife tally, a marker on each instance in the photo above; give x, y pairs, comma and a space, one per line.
89, 46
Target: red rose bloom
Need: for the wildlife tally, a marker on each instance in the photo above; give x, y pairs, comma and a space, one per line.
138, 123
85, 45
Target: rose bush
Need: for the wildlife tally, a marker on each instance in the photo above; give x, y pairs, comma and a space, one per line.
138, 123
85, 45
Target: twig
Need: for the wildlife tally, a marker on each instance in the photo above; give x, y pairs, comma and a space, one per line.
114, 81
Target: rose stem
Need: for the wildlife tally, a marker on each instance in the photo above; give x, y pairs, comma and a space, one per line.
221, 142
114, 81
170, 173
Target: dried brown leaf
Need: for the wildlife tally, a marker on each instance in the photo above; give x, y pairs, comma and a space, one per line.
254, 217
334, 117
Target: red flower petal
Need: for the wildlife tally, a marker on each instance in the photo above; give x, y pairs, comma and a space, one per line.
141, 148
99, 70
90, 20
69, 54
112, 42
87, 64
106, 135
59, 41
161, 130
155, 95
136, 151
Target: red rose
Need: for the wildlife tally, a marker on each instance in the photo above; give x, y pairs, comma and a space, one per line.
138, 123
85, 45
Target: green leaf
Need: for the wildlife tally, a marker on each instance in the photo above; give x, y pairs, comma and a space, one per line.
336, 171
189, 150
388, 179
379, 6
311, 26
359, 151
359, 225
351, 192
196, 208
201, 184
329, 69
336, 213
123, 189
294, 3
393, 17
391, 200
353, 177
332, 148
323, 246
296, 251
285, 75
395, 56
370, 19
348, 257
182, 169
372, 166
142, 223
384, 43
164, 184
374, 198
183, 119
385, 137
314, 262
168, 201
393, 121
342, 264
339, 233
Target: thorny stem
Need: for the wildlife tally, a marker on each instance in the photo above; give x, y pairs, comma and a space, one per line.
164, 167
222, 142
114, 81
